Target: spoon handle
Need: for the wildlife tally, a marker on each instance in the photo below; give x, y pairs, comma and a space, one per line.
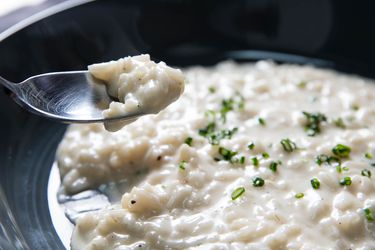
7, 84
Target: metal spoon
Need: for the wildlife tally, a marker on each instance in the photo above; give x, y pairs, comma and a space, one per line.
73, 97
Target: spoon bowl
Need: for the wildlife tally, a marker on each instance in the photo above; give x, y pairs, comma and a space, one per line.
72, 97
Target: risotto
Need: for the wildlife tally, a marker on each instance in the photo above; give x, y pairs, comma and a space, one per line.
140, 85
252, 156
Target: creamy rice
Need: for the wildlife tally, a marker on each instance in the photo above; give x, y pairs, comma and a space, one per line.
213, 174
140, 85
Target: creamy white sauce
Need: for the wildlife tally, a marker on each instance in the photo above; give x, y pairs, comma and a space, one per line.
141, 86
191, 207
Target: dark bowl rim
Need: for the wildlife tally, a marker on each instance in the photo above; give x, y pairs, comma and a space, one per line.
50, 11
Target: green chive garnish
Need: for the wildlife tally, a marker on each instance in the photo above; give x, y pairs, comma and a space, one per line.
237, 102
355, 107
258, 182
341, 150
288, 145
339, 122
265, 155
346, 181
368, 155
299, 195
182, 165
315, 183
255, 161
314, 120
242, 160
210, 128
366, 172
212, 89
261, 121
302, 84
226, 153
322, 158
273, 166
368, 214
237, 192
189, 141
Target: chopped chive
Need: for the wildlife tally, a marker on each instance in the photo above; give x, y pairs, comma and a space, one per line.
242, 160
288, 145
182, 165
273, 166
228, 133
258, 182
230, 104
314, 121
355, 107
339, 122
215, 137
299, 195
261, 121
366, 172
210, 114
368, 214
338, 168
227, 154
251, 146
265, 155
346, 181
341, 150
237, 193
226, 106
315, 183
189, 141
210, 128
240, 101
368, 155
255, 161
212, 89
372, 164
322, 158
302, 84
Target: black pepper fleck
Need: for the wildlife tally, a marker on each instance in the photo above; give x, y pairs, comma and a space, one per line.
132, 201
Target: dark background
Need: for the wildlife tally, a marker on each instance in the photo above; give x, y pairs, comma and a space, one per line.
191, 32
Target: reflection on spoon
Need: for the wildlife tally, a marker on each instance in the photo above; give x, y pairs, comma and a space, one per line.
140, 85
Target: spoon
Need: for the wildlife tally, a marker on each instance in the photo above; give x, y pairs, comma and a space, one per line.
72, 97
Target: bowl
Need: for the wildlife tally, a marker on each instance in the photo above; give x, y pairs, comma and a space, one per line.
182, 33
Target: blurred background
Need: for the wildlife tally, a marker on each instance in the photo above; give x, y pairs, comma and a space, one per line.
337, 30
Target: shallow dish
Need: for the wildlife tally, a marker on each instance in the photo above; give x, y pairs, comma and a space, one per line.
180, 33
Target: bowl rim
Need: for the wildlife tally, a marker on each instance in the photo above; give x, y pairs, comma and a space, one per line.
41, 15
